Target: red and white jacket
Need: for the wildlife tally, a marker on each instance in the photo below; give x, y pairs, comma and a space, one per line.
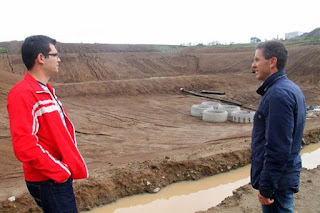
46, 147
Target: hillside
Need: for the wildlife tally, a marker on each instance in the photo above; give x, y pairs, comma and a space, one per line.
14, 47
313, 34
103, 71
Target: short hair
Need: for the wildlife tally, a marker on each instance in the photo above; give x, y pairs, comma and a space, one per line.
274, 49
34, 45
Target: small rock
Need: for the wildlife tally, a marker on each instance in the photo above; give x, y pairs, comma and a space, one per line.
148, 183
12, 198
156, 190
87, 208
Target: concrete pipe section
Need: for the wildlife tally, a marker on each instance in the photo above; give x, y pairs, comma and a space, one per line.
242, 116
214, 115
215, 105
197, 109
229, 109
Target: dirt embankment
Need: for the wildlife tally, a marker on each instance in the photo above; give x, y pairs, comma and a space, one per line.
133, 124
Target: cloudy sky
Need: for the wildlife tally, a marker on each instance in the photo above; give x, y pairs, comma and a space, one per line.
156, 21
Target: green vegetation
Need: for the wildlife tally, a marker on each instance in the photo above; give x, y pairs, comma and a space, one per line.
241, 45
312, 37
302, 41
254, 41
3, 51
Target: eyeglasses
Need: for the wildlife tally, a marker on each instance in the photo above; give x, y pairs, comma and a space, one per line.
54, 54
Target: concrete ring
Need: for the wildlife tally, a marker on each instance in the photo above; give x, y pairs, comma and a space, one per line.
215, 115
197, 110
242, 116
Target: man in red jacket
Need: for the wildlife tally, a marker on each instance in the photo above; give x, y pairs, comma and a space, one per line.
43, 136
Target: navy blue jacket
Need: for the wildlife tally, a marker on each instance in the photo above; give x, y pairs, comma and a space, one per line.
277, 135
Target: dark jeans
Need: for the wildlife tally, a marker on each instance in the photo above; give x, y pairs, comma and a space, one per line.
283, 202
53, 197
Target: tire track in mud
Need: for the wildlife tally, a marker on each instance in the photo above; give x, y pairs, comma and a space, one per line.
90, 133
134, 117
220, 141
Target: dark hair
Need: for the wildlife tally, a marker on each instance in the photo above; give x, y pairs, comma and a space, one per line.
274, 49
34, 45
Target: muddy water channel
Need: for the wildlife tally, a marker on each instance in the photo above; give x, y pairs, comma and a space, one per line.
192, 196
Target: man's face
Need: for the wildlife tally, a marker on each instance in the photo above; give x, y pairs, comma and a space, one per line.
261, 66
52, 61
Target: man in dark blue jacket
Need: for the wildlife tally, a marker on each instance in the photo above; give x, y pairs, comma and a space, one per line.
277, 131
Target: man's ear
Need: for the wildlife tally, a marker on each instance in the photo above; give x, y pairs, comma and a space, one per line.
40, 58
273, 63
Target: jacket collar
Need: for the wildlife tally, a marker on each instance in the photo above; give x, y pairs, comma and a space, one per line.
35, 84
268, 83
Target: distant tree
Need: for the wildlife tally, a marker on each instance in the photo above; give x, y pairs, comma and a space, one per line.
187, 44
214, 43
255, 40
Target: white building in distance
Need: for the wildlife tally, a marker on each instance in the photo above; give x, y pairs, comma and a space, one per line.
293, 34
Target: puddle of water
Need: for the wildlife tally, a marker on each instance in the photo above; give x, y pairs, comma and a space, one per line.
311, 156
192, 196
187, 196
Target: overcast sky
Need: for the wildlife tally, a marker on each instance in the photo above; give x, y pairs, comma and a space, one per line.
156, 21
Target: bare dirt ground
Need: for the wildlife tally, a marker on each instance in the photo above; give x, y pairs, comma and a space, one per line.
134, 125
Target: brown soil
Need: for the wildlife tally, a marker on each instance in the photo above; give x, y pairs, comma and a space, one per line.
134, 125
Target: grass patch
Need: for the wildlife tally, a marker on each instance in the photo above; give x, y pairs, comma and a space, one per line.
3, 51
314, 40
165, 48
239, 45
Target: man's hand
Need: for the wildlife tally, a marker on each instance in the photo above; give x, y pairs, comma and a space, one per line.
264, 201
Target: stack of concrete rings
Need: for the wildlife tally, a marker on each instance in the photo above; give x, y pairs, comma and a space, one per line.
242, 116
197, 109
229, 109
